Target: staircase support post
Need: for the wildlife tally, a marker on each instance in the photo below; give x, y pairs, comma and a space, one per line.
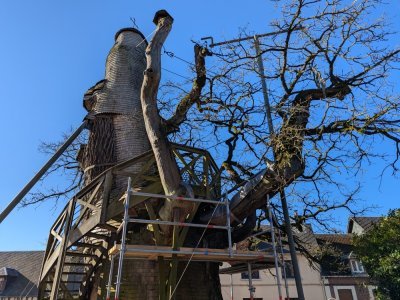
63, 250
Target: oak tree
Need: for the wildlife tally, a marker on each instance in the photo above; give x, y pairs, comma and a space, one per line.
328, 67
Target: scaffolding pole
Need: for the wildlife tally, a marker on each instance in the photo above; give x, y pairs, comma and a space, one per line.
228, 225
252, 289
293, 255
123, 241
110, 277
292, 248
231, 286
283, 264
278, 280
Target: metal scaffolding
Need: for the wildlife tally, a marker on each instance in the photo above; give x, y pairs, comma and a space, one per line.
167, 252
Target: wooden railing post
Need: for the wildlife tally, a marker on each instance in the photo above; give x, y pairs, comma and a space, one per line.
63, 250
106, 196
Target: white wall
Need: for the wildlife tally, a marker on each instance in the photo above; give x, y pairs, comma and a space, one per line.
266, 287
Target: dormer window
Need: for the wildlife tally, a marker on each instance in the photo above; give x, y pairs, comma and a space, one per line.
356, 266
5, 274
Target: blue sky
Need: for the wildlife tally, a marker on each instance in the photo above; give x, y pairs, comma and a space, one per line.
52, 51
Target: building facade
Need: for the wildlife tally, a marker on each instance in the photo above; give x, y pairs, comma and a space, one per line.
341, 275
265, 283
347, 279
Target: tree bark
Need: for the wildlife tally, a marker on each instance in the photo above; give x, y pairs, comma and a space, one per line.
167, 168
141, 281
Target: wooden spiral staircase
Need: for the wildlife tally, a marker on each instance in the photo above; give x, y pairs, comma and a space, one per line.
82, 235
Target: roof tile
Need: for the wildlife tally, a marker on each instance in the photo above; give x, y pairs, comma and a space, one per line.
28, 265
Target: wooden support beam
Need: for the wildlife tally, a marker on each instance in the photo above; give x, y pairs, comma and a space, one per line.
63, 247
188, 166
41, 172
87, 204
163, 278
182, 236
145, 168
92, 268
156, 228
49, 263
116, 208
85, 230
106, 196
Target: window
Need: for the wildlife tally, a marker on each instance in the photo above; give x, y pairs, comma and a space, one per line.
3, 282
288, 268
254, 275
356, 266
345, 292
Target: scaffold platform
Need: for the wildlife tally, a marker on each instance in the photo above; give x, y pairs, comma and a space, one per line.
194, 254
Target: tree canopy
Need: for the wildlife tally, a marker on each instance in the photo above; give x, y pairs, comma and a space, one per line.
328, 66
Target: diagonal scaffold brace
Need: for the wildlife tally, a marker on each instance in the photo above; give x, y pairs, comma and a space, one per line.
25, 190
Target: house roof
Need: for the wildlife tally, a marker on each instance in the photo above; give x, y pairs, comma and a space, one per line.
344, 239
8, 272
27, 265
342, 242
306, 237
335, 251
366, 223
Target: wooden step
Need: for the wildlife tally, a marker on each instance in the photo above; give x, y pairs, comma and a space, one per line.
97, 235
66, 282
88, 245
75, 264
74, 273
79, 254
49, 291
72, 281
108, 227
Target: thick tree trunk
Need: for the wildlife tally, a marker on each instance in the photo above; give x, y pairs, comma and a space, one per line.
118, 133
140, 281
140, 278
